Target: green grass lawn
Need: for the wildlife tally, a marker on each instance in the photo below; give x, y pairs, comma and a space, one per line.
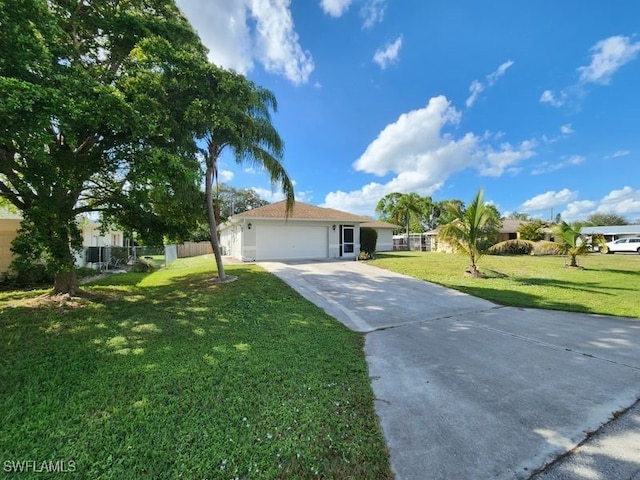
168, 375
607, 284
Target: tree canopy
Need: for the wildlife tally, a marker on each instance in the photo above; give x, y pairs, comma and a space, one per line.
95, 118
604, 219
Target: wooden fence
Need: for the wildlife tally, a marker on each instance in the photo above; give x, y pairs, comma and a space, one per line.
194, 249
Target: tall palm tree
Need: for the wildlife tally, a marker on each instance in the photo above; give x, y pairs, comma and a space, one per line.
242, 124
467, 229
401, 208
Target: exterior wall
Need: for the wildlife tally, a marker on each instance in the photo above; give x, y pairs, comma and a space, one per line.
385, 240
92, 237
240, 241
8, 231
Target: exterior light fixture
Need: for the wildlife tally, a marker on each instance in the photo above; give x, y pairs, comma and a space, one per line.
334, 228
249, 225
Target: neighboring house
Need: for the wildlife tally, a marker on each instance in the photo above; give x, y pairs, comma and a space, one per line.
613, 232
91, 237
308, 232
509, 230
9, 226
385, 234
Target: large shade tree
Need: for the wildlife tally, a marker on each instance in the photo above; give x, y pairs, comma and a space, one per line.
92, 119
468, 229
406, 209
235, 115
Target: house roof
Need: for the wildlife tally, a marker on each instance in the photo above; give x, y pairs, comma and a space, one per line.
511, 226
301, 211
613, 230
372, 223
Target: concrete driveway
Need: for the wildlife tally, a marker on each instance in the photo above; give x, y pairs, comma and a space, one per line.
466, 389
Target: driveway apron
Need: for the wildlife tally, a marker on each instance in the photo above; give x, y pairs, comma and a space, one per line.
469, 389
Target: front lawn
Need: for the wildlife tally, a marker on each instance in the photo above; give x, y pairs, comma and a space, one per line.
167, 375
607, 284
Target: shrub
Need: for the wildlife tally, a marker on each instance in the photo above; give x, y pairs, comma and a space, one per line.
143, 265
23, 275
368, 240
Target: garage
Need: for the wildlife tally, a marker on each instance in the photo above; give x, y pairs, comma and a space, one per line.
290, 242
272, 232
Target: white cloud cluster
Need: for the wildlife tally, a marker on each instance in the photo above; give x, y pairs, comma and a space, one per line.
225, 176
385, 56
618, 154
224, 28
624, 202
335, 8
548, 167
548, 200
567, 129
421, 157
607, 57
476, 87
372, 11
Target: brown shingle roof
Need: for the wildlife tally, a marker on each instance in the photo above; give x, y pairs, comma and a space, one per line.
511, 226
301, 211
379, 224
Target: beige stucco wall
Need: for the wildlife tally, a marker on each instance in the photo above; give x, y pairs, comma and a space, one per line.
8, 231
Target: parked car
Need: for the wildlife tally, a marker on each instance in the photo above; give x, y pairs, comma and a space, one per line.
624, 245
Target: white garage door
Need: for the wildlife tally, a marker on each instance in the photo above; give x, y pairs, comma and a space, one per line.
291, 242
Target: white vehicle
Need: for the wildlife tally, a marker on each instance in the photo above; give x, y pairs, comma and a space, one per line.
624, 245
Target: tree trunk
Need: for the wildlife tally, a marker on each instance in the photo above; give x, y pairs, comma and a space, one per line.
574, 262
65, 282
213, 231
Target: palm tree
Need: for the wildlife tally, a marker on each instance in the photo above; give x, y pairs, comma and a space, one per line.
400, 208
571, 241
242, 123
467, 229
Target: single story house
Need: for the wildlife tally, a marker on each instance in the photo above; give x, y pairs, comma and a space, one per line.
384, 243
91, 237
307, 232
509, 229
613, 232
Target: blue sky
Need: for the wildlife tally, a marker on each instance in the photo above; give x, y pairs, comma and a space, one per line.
536, 102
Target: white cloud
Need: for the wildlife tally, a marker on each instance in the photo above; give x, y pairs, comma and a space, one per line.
495, 163
624, 202
222, 26
608, 56
421, 157
335, 8
373, 12
549, 97
567, 129
225, 176
225, 30
550, 199
476, 87
548, 167
384, 56
276, 195
619, 153
578, 210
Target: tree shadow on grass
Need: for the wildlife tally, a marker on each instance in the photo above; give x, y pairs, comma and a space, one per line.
514, 298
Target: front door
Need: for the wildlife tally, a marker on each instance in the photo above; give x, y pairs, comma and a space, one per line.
347, 241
